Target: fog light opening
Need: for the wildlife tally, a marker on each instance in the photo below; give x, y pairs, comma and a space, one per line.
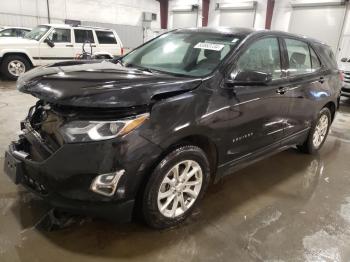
106, 184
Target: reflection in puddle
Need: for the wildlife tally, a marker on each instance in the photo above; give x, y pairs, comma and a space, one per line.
345, 210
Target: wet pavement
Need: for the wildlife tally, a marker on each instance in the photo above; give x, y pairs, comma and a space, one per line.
289, 207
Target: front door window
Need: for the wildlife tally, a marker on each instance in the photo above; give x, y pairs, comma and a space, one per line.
262, 56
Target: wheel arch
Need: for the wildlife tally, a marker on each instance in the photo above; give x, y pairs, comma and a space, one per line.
103, 53
23, 54
332, 107
204, 143
201, 141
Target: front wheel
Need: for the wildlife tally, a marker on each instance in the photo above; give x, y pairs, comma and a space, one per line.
175, 187
318, 132
13, 66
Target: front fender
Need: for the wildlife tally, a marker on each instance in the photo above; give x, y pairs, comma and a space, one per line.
176, 118
6, 51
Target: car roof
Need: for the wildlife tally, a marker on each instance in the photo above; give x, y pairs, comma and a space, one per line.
290, 35
248, 32
219, 30
79, 26
15, 27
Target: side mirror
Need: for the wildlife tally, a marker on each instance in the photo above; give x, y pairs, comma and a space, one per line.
248, 78
49, 42
344, 59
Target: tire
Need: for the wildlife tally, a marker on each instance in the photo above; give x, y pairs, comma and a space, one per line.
17, 59
309, 146
184, 156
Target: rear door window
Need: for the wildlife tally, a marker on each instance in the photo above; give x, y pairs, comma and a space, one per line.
106, 37
299, 57
83, 36
21, 32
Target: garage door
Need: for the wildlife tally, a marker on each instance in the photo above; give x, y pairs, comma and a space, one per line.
237, 18
323, 23
344, 50
184, 19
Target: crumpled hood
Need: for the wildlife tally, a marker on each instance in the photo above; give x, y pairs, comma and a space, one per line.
100, 84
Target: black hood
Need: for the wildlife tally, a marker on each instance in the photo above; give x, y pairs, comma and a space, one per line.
100, 84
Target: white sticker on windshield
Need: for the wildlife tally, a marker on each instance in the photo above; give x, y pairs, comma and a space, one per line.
209, 46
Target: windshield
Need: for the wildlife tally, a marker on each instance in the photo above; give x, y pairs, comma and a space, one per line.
38, 32
185, 53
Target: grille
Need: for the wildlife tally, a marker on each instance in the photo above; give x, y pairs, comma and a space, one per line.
347, 77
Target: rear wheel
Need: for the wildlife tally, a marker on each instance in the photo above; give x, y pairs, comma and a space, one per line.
318, 132
175, 187
13, 66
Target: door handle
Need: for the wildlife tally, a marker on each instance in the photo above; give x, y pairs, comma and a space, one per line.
93, 45
69, 45
321, 80
281, 90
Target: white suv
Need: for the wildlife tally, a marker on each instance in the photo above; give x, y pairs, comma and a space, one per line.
47, 44
344, 66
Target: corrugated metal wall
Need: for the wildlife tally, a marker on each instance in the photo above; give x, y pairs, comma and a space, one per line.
25, 20
131, 36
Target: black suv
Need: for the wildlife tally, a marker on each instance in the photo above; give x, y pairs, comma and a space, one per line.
148, 131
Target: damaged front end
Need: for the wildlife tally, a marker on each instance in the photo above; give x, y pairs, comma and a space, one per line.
54, 125
41, 130
82, 146
82, 160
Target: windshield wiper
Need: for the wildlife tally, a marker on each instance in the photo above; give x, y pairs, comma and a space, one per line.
145, 69
117, 60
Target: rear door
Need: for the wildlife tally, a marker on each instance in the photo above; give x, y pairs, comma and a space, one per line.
307, 85
257, 112
84, 37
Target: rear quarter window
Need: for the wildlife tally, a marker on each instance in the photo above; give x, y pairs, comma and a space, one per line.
106, 37
332, 57
326, 55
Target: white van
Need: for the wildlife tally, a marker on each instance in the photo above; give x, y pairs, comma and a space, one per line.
49, 43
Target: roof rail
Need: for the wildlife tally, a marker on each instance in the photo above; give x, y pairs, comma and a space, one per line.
94, 27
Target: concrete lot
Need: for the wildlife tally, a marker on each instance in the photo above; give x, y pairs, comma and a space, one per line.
290, 207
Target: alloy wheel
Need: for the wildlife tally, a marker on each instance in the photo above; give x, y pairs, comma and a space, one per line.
16, 68
180, 188
320, 131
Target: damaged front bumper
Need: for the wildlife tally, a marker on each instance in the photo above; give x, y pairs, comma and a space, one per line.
65, 177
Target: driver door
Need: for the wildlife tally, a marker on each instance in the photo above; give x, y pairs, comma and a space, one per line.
257, 111
62, 50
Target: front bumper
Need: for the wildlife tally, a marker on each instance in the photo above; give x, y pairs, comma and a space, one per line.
345, 91
64, 178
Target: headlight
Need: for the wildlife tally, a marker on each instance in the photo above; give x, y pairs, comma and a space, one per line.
81, 131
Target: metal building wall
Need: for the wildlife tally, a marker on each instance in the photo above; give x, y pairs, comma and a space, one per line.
9, 19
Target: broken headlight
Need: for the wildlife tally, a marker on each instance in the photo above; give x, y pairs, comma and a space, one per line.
82, 131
